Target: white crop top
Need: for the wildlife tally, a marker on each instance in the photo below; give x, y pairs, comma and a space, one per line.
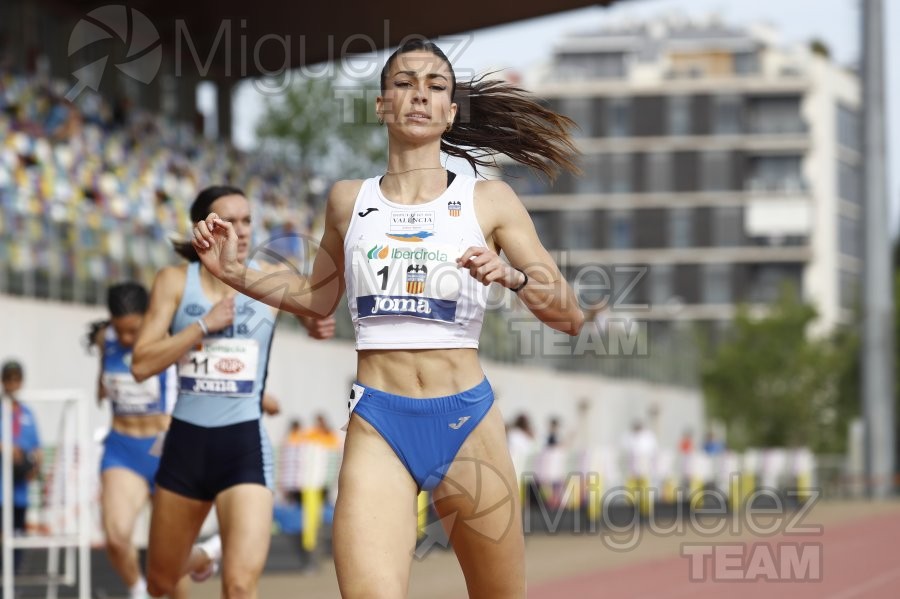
404, 289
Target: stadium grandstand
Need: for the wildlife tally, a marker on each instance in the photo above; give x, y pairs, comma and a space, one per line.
90, 195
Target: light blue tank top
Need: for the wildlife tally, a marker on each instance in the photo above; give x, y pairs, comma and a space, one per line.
156, 395
221, 380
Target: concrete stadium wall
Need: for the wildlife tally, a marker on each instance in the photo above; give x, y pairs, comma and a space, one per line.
310, 376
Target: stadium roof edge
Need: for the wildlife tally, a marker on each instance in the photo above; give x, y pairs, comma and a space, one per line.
233, 40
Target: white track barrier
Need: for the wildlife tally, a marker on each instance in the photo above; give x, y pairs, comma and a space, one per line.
65, 517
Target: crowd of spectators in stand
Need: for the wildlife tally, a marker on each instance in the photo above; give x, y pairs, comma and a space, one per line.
95, 190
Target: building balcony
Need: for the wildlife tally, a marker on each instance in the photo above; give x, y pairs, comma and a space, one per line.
789, 185
764, 126
690, 255
759, 142
678, 311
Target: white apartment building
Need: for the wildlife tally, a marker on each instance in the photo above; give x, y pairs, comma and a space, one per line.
726, 164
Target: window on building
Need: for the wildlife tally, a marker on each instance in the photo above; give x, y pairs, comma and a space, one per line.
717, 284
727, 115
620, 173
621, 230
727, 226
681, 227
594, 177
850, 241
746, 63
849, 289
715, 171
590, 65
524, 181
848, 127
577, 229
579, 110
545, 225
662, 283
659, 171
849, 184
618, 121
766, 281
679, 109
629, 286
775, 115
776, 173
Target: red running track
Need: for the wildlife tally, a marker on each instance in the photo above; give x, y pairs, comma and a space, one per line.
859, 560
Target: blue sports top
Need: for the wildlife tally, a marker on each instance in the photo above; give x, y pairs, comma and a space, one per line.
221, 380
156, 395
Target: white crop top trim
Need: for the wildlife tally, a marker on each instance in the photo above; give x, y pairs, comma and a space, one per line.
404, 289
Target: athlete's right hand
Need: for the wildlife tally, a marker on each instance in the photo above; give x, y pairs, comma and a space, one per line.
221, 315
216, 243
319, 328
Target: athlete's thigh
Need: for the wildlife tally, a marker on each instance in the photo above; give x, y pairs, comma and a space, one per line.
245, 523
479, 501
375, 517
124, 494
174, 525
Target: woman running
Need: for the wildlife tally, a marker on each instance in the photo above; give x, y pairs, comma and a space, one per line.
416, 249
216, 451
140, 414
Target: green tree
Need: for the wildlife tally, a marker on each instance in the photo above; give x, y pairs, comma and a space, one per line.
775, 385
817, 46
328, 126
846, 347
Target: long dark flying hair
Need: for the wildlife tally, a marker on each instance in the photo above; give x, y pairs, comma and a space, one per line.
199, 211
494, 117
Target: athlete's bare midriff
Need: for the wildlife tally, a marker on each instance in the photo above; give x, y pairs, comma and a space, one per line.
420, 373
141, 426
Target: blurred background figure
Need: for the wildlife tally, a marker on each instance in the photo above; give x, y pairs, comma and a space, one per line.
686, 444
522, 448
27, 455
321, 434
553, 435
639, 449
713, 445
294, 433
289, 462
141, 414
520, 436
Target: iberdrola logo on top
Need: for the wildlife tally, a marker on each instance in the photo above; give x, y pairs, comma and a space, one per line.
380, 252
142, 46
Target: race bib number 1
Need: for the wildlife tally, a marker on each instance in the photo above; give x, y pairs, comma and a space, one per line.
421, 282
220, 367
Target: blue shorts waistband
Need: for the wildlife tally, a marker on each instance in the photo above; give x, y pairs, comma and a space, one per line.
429, 405
119, 435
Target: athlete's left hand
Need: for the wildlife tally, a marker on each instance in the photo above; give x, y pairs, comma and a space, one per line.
487, 267
270, 405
